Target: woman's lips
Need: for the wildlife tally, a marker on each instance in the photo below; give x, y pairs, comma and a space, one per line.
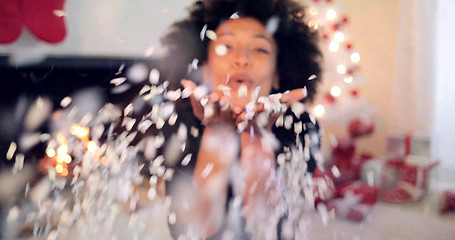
238, 80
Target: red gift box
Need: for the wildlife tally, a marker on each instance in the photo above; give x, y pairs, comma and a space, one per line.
366, 194
349, 208
447, 201
398, 146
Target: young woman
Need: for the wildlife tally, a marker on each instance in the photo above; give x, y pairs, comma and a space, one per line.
255, 60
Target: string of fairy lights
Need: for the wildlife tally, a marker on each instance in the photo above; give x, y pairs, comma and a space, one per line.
340, 57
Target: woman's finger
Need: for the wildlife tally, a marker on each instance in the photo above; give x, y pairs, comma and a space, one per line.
292, 96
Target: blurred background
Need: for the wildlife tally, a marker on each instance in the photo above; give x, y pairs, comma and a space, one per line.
398, 85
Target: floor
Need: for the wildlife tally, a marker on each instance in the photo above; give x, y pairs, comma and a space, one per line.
416, 221
413, 221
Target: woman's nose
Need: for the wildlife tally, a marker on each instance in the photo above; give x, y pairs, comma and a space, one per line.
242, 58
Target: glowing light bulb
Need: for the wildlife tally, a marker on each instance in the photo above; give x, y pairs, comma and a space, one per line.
335, 91
313, 24
355, 57
338, 36
91, 146
348, 79
313, 11
59, 168
64, 172
67, 158
319, 110
50, 152
331, 14
62, 150
334, 46
79, 131
341, 69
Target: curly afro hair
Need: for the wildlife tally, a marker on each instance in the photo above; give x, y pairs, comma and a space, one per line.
298, 54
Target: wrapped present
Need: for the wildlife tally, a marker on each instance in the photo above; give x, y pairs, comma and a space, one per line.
348, 207
380, 173
366, 194
412, 186
447, 201
359, 127
323, 186
399, 146
343, 158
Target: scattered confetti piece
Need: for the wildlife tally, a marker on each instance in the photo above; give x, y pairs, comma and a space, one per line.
186, 159
272, 25
211, 35
202, 33
242, 91
65, 102
137, 73
19, 163
312, 77
120, 69
11, 151
207, 170
154, 76
59, 13
234, 15
221, 50
118, 81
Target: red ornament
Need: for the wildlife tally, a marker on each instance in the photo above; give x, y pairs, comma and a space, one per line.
328, 99
334, 27
345, 20
358, 128
348, 46
353, 92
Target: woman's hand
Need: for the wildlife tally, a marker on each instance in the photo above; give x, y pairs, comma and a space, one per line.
240, 111
263, 113
212, 108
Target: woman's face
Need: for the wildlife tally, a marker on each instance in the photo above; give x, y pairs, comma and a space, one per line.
244, 53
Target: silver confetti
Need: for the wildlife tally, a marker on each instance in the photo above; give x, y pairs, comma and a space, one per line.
128, 109
120, 69
202, 33
137, 73
272, 25
154, 76
174, 95
312, 77
186, 159
65, 102
234, 15
242, 91
211, 35
19, 163
118, 81
11, 151
207, 170
173, 119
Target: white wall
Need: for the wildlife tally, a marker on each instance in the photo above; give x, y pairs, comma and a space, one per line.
107, 28
444, 112
373, 26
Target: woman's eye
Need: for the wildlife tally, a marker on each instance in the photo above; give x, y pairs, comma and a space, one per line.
262, 50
